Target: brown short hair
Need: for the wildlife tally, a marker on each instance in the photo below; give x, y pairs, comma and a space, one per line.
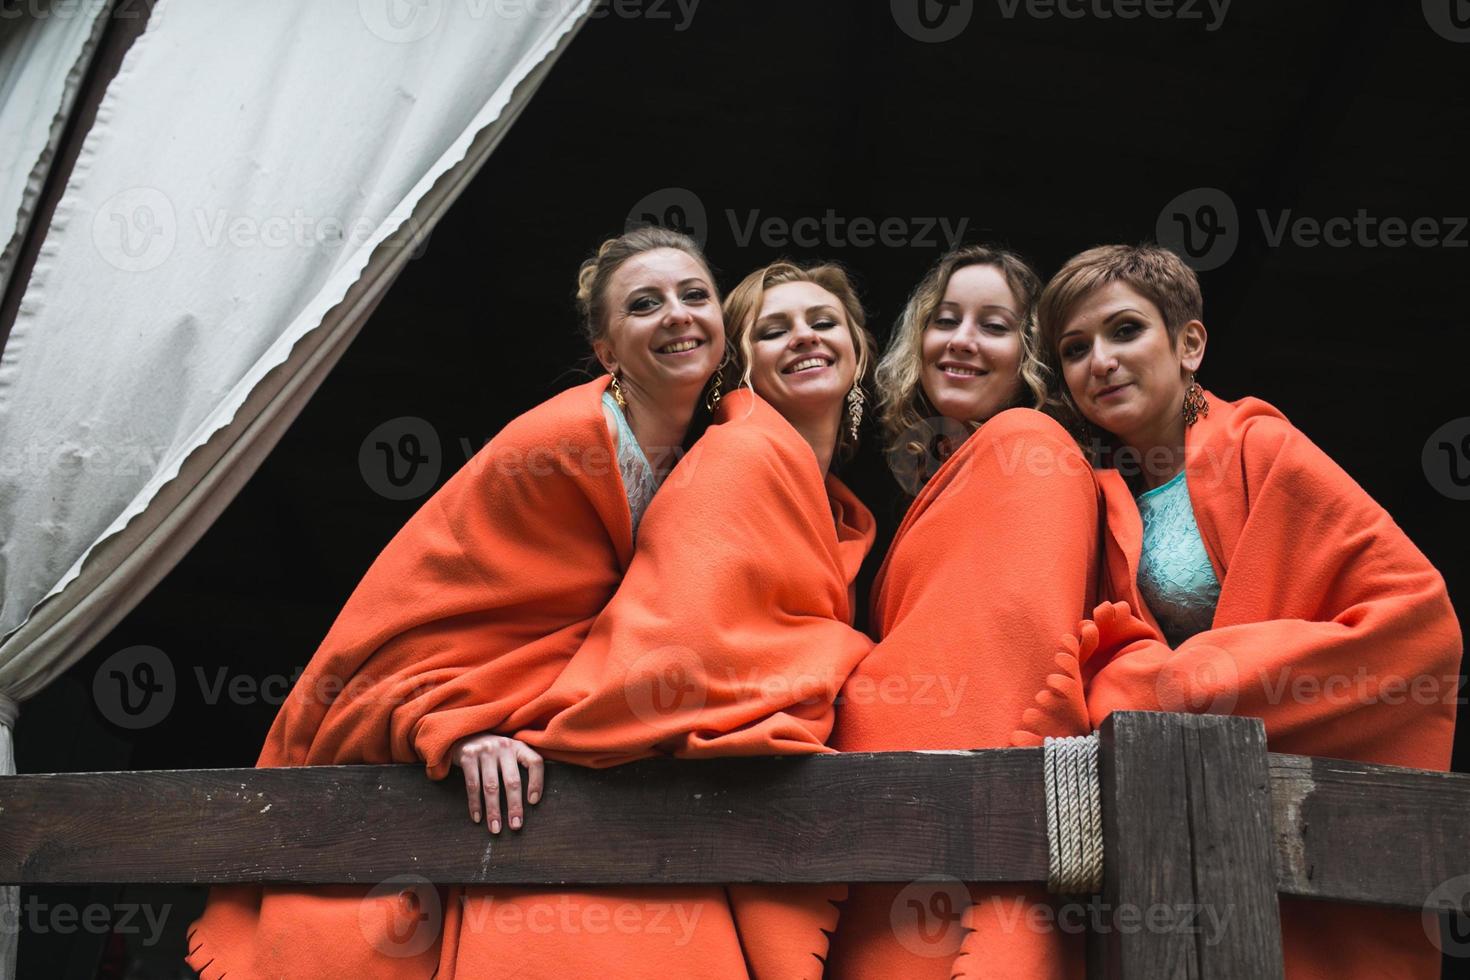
1156, 273
902, 405
595, 274
743, 307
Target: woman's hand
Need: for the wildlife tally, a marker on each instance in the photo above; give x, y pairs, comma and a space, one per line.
490, 762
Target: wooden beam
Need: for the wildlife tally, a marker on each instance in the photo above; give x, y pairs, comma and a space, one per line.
1381, 835
1188, 882
895, 816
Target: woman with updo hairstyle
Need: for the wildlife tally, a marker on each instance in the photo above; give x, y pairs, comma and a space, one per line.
471, 613
995, 558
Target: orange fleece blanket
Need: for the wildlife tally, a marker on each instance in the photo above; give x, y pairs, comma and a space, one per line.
998, 550
471, 611
1331, 626
729, 636
618, 701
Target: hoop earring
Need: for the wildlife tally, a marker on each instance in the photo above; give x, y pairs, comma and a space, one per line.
1195, 404
855, 400
617, 392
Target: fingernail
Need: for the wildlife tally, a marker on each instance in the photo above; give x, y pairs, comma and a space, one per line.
476, 817
515, 823
495, 826
535, 797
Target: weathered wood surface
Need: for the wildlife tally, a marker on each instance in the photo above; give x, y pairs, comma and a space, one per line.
1189, 887
974, 816
1380, 835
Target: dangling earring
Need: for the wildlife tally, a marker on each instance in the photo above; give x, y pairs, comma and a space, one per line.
617, 392
855, 399
1194, 402
712, 400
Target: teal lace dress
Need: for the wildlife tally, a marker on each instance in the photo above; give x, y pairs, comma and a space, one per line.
1175, 576
639, 481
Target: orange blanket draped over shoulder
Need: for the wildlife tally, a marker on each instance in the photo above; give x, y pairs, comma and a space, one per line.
598, 695
998, 550
1331, 626
471, 611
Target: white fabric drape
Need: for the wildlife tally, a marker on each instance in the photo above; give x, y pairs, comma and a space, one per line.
256, 176
45, 48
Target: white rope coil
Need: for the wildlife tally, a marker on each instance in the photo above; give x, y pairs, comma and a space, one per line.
1073, 815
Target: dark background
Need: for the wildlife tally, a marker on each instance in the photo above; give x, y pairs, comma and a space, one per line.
1049, 135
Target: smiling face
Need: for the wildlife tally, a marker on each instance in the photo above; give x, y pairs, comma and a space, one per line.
971, 346
802, 357
665, 332
1124, 372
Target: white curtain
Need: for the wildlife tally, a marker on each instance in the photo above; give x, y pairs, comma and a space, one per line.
45, 48
256, 176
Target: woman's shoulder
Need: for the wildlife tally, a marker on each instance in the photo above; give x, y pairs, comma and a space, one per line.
1025, 422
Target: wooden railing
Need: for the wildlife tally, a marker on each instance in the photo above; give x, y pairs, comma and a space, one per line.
1196, 814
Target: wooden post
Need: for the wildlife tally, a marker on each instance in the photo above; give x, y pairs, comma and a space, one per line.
1190, 880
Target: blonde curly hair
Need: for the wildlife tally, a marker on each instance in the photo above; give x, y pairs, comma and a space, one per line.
903, 408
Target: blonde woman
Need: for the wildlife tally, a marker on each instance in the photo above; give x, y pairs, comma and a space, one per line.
994, 560
474, 609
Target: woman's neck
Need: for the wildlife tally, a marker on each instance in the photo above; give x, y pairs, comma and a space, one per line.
659, 425
1159, 451
820, 432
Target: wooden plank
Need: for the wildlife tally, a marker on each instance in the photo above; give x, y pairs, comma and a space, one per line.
1189, 885
856, 817
1380, 835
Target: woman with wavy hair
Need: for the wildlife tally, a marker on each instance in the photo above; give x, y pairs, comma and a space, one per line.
476, 606
996, 554
1249, 574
